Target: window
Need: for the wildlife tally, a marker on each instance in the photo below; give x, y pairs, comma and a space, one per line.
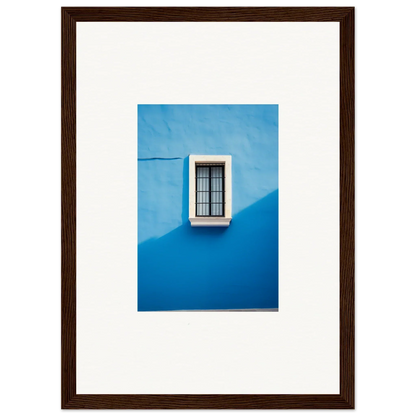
209, 191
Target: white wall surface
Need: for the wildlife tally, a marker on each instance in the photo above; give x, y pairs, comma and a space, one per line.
215, 356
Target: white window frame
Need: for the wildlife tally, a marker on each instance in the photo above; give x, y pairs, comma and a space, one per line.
210, 221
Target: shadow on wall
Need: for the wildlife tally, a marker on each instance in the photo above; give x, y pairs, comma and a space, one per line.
213, 268
185, 191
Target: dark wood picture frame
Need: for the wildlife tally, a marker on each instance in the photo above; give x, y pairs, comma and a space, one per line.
70, 399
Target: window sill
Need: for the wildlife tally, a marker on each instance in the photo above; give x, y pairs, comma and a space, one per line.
210, 221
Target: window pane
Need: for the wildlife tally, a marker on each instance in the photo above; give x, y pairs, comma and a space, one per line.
216, 172
202, 171
216, 185
202, 188
216, 190
216, 210
202, 209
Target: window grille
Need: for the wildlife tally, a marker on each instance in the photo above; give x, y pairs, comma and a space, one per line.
210, 190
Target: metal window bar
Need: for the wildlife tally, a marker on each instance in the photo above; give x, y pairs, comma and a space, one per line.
210, 190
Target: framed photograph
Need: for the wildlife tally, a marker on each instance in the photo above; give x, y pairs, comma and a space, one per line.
211, 218
208, 170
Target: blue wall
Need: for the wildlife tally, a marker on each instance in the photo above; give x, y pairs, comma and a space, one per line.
180, 267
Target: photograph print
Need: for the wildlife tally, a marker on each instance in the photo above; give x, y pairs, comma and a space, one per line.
208, 204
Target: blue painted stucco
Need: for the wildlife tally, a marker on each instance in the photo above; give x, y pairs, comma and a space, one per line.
182, 267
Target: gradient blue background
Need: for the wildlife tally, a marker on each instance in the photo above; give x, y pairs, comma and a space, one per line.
182, 267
